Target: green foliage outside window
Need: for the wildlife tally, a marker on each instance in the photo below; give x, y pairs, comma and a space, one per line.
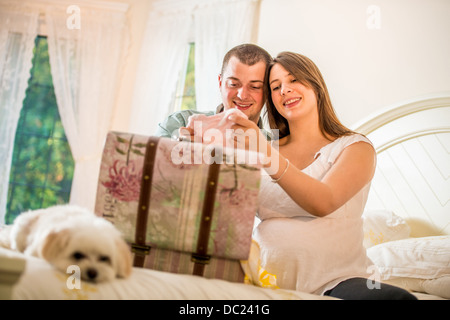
188, 101
42, 165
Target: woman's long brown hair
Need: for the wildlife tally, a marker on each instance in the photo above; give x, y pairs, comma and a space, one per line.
306, 72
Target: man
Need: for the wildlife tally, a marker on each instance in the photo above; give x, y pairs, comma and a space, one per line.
242, 86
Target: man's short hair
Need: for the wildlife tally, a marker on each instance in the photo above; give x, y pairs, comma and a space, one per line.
248, 54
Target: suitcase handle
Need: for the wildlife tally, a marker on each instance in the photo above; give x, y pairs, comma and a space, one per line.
144, 200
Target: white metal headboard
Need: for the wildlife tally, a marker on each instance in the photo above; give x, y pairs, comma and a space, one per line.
413, 166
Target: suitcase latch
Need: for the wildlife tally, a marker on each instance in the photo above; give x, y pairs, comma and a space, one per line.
140, 249
200, 258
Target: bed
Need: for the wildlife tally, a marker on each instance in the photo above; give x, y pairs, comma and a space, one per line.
407, 216
406, 224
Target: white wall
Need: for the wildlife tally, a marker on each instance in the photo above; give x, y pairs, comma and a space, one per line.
365, 70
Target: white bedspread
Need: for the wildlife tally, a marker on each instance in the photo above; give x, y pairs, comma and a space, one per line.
40, 280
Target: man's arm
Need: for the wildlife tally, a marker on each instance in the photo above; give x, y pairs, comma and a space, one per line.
166, 127
170, 126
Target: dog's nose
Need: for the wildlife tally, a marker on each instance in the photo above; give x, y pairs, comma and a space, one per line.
92, 274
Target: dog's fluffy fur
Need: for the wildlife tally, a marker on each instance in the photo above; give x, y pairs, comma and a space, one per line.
70, 235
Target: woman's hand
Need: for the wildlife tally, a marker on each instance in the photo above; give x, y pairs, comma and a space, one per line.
247, 134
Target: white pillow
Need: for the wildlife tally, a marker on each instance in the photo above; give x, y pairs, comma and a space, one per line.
382, 226
423, 258
439, 287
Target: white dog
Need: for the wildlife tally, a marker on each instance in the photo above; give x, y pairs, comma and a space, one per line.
69, 235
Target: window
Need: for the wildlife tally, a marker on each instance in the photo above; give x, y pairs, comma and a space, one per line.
42, 164
185, 97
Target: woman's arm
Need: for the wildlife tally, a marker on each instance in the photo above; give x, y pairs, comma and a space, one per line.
350, 173
353, 169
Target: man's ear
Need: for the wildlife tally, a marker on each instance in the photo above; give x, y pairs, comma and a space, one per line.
220, 80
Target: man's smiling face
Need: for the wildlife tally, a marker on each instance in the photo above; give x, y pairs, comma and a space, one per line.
242, 87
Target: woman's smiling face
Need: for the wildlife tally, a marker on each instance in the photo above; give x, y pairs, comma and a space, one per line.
291, 97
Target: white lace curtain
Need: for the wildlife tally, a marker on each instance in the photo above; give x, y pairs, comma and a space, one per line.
18, 30
215, 26
219, 26
161, 59
86, 65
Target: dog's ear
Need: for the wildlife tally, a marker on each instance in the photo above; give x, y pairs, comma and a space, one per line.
5, 234
123, 259
54, 243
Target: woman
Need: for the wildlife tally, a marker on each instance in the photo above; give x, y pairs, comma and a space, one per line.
313, 195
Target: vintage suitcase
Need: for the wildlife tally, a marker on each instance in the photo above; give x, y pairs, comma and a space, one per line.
183, 207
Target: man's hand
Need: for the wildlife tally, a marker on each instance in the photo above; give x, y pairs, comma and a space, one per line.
186, 134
